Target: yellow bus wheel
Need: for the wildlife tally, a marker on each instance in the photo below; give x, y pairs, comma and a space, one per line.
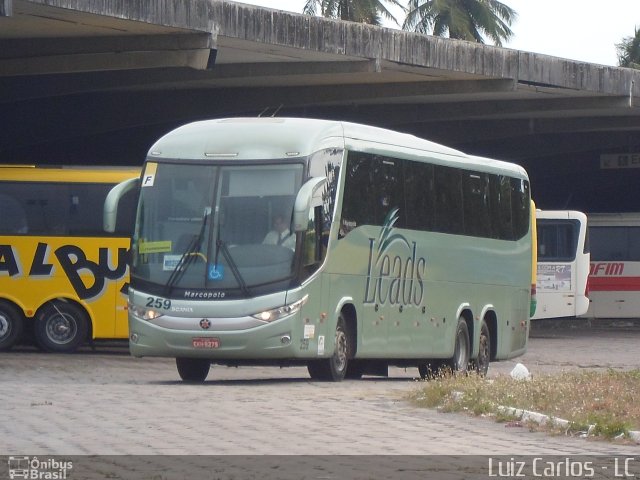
11, 325
61, 327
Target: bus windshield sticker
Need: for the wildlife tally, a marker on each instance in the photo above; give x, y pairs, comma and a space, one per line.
215, 271
149, 174
170, 262
154, 247
555, 278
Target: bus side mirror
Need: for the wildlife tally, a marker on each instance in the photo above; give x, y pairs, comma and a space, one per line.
110, 213
306, 199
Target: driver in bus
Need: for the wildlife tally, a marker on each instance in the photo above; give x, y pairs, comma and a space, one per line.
280, 234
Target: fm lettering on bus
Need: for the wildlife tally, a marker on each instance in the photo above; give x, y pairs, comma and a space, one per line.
73, 262
399, 279
611, 269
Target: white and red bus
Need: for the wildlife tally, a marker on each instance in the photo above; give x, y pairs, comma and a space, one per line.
614, 279
563, 264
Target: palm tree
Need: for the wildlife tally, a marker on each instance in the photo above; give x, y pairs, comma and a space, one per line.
462, 19
629, 51
366, 11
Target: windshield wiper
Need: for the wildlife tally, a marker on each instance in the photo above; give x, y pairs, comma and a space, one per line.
221, 246
187, 258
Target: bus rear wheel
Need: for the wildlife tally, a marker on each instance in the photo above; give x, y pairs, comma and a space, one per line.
462, 348
61, 327
481, 364
193, 370
11, 325
334, 368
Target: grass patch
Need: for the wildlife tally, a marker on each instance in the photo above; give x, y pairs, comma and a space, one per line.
604, 404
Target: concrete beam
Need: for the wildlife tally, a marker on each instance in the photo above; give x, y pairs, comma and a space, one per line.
42, 47
191, 15
353, 94
357, 40
479, 131
17, 88
52, 116
197, 59
37, 56
554, 149
289, 69
408, 113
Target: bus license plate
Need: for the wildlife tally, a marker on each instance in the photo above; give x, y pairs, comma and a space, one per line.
205, 342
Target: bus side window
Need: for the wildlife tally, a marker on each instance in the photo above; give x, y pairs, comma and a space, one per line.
14, 218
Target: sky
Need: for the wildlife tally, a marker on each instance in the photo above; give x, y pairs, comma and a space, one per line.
583, 30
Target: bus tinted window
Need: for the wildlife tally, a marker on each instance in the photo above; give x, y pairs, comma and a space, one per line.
557, 240
520, 207
390, 192
500, 193
434, 198
477, 220
359, 193
59, 209
327, 163
449, 211
420, 195
614, 243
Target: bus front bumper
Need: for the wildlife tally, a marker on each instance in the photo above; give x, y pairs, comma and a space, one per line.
282, 339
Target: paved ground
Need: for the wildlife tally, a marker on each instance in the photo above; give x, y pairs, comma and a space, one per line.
107, 403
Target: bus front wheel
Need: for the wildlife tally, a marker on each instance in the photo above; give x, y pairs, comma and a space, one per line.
193, 370
334, 368
61, 327
11, 325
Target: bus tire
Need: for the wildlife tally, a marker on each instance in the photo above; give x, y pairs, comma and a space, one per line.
193, 370
462, 348
481, 364
334, 368
61, 327
11, 325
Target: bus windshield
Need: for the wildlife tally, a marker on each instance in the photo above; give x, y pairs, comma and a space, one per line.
222, 228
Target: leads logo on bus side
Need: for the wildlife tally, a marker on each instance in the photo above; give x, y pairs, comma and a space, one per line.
394, 278
73, 262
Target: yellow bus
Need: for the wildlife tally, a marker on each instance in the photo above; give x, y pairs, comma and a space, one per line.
62, 278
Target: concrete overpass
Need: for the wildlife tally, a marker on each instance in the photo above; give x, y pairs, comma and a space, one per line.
97, 81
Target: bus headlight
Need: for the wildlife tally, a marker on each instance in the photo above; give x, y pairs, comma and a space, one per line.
144, 313
284, 311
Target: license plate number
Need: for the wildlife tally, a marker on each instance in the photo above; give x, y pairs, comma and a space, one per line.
205, 342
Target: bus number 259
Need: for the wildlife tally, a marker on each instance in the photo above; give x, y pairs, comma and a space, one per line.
155, 302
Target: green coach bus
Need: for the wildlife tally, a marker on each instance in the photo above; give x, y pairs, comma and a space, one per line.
338, 246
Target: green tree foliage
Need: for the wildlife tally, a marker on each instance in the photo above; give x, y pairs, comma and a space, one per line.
366, 11
471, 20
629, 51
